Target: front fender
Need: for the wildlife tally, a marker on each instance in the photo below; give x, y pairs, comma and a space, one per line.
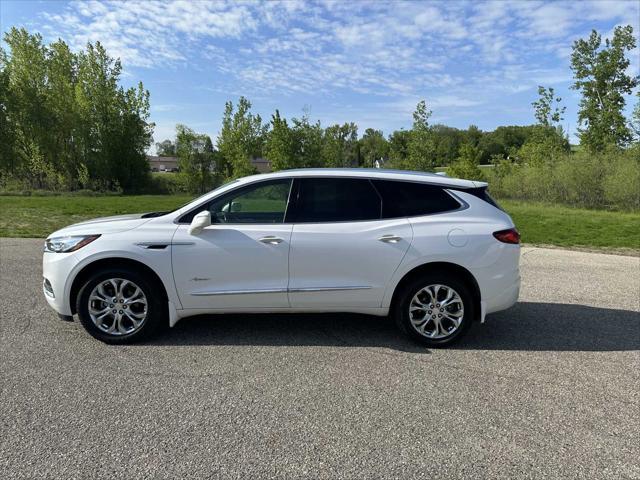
159, 261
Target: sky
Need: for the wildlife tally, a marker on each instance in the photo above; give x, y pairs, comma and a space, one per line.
473, 62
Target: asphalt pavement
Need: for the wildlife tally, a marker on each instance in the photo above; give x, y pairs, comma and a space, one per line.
549, 388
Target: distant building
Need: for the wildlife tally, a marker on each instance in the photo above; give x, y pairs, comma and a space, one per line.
262, 165
162, 164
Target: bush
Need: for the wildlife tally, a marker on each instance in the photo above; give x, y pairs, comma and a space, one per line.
622, 184
466, 165
167, 184
607, 180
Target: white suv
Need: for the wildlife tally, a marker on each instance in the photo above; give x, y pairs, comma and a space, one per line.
435, 252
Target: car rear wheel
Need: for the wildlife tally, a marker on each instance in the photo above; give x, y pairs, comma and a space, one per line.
120, 306
435, 309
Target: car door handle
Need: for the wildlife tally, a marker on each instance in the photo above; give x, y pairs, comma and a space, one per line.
271, 240
390, 238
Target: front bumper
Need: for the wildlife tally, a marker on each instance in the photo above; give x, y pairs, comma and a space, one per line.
56, 270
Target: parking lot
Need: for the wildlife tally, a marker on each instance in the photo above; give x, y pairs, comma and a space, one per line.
547, 388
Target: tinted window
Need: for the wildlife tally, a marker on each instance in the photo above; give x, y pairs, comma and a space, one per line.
335, 200
408, 199
265, 202
482, 194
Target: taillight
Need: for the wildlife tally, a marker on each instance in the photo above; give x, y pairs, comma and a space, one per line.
508, 236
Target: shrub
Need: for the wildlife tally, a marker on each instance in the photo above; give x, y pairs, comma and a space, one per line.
167, 184
466, 165
607, 180
622, 183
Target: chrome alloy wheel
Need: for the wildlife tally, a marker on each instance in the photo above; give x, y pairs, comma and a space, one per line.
117, 306
436, 311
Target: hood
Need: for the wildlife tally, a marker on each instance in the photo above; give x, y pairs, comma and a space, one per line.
115, 224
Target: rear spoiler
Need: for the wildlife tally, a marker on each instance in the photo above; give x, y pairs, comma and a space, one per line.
475, 182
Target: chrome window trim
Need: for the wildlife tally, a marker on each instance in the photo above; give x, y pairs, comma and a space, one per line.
447, 188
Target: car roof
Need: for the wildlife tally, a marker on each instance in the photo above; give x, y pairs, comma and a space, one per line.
373, 173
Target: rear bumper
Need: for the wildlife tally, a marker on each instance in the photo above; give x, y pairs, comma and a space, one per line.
505, 299
500, 282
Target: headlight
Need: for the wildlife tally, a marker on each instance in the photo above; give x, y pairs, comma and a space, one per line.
68, 244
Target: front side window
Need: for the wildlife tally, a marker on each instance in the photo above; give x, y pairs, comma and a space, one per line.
265, 202
335, 200
411, 199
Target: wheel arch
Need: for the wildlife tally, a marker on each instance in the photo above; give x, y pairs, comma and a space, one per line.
465, 275
112, 262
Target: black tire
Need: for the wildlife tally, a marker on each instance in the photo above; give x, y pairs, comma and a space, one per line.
156, 314
401, 314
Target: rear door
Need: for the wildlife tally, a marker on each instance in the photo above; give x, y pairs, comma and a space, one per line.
342, 253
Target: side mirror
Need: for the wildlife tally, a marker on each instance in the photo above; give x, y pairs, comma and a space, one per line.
199, 222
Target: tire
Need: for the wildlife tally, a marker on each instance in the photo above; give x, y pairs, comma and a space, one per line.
445, 334
121, 284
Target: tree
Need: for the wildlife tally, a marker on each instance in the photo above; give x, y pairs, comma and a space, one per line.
466, 165
241, 139
280, 146
504, 141
7, 135
421, 147
600, 75
340, 145
166, 148
297, 146
196, 158
373, 146
473, 135
635, 120
308, 140
399, 149
545, 145
547, 109
69, 124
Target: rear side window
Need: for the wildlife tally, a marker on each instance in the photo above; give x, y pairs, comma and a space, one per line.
482, 194
409, 199
335, 200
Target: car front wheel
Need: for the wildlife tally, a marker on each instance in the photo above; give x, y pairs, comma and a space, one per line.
435, 309
120, 306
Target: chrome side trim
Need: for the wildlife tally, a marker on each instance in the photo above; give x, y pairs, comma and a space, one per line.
183, 243
277, 290
238, 292
327, 289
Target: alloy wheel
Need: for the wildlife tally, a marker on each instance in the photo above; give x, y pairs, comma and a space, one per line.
436, 311
118, 306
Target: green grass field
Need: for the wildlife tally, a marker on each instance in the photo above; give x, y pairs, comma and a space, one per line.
538, 223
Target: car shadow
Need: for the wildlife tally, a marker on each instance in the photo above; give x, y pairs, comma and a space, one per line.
527, 326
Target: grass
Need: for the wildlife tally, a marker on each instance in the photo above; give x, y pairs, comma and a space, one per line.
39, 216
539, 223
547, 224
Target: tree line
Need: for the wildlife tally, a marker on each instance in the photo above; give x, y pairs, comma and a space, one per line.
65, 121
600, 74
67, 124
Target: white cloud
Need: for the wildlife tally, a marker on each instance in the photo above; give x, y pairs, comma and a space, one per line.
456, 53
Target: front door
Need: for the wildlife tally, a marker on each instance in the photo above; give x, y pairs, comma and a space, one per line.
242, 259
342, 253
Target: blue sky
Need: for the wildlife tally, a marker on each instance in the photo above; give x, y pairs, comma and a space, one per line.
368, 62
